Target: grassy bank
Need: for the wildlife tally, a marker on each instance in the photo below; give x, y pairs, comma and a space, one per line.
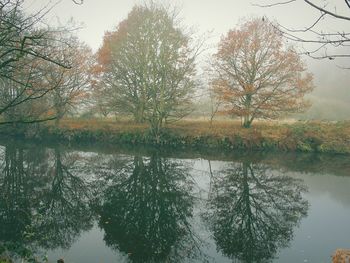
327, 137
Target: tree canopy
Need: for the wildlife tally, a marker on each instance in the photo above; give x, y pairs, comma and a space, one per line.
148, 66
256, 75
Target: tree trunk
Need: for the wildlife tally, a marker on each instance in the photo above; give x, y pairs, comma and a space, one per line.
247, 121
139, 115
156, 127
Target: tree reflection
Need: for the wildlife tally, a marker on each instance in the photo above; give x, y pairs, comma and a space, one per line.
147, 208
64, 212
14, 200
253, 211
42, 203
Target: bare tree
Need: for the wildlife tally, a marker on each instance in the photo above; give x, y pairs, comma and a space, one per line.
23, 48
23, 96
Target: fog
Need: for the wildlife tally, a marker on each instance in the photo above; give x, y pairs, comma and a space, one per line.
331, 97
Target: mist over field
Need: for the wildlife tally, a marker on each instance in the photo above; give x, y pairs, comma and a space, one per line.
331, 96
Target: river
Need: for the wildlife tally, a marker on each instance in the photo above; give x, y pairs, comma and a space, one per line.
137, 204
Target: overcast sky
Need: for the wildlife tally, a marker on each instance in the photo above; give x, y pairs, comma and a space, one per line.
205, 15
217, 17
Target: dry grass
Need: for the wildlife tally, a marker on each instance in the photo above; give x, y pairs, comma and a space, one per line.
218, 128
187, 127
102, 124
304, 136
221, 127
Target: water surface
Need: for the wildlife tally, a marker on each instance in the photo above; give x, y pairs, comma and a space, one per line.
117, 204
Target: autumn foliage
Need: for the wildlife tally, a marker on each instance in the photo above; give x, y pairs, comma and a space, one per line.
147, 67
256, 75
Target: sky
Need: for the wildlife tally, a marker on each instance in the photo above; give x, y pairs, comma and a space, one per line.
215, 18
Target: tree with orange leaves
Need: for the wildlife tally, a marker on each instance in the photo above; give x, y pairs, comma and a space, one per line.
256, 75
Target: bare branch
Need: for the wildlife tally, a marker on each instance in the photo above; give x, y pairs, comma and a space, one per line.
348, 3
317, 36
27, 51
80, 2
328, 12
275, 4
307, 28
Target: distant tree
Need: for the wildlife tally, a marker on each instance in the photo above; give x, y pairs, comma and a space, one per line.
149, 66
256, 75
214, 106
72, 85
100, 102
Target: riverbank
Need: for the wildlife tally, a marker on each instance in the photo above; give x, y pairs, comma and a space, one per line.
323, 137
